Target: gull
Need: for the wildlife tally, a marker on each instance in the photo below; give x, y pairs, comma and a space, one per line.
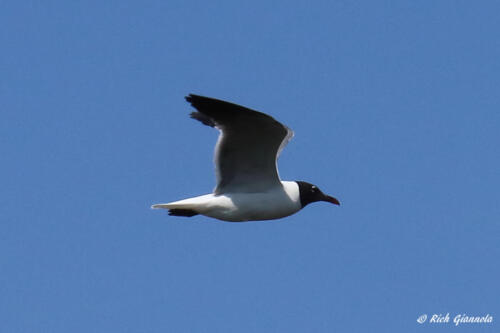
248, 184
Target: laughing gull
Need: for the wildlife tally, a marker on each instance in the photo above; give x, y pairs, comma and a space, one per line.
248, 185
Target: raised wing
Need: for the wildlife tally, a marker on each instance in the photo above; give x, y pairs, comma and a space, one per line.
248, 146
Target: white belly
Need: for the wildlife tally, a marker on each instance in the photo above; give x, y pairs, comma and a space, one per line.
239, 207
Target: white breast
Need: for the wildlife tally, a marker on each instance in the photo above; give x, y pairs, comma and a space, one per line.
236, 207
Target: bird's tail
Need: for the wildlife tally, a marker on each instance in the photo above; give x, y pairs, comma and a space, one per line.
176, 210
187, 207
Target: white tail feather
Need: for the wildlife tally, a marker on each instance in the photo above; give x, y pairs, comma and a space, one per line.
191, 203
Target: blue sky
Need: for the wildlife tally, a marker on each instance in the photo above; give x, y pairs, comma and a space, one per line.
395, 107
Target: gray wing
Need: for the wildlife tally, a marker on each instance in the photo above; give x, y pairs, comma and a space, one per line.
248, 146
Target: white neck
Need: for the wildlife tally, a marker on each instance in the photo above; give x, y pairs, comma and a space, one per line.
292, 190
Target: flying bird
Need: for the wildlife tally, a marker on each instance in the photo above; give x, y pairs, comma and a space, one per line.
248, 185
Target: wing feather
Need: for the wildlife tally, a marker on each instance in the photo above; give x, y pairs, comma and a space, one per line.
248, 146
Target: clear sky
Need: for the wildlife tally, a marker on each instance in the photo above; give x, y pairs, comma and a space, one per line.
396, 111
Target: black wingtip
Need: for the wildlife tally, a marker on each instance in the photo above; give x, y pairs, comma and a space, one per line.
182, 212
191, 98
204, 119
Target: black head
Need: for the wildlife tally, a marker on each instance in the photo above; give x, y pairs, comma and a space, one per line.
311, 193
